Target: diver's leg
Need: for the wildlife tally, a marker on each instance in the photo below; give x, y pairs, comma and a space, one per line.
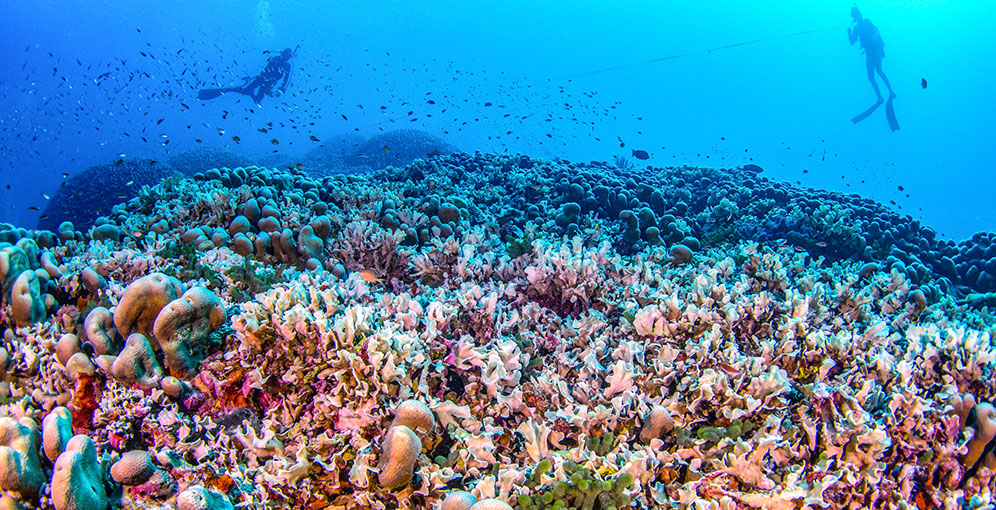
264, 89
885, 79
870, 65
248, 89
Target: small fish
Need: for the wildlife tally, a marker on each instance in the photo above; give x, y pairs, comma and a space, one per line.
32, 208
641, 155
821, 244
314, 138
362, 156
386, 148
274, 141
299, 166
236, 139
923, 82
119, 162
729, 369
369, 276
129, 183
46, 196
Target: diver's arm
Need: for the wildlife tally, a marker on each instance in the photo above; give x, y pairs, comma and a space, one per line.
852, 34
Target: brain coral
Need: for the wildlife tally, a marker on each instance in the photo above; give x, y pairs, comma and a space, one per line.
92, 192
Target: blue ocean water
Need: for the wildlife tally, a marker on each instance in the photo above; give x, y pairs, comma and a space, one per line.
713, 83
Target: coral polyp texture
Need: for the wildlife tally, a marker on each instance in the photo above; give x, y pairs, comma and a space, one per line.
482, 332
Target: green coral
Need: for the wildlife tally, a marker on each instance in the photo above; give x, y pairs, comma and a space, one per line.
252, 277
583, 490
601, 445
720, 236
517, 247
733, 431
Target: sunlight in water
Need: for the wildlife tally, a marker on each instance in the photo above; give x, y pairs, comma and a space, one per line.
263, 15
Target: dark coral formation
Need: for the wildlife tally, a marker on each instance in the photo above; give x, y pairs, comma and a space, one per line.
200, 159
329, 158
93, 192
704, 207
398, 148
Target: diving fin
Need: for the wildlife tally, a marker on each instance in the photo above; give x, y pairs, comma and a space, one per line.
867, 113
890, 114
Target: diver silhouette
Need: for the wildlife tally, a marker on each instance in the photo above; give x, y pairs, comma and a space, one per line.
277, 68
865, 32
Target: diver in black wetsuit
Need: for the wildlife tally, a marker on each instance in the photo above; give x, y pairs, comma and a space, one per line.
278, 69
871, 42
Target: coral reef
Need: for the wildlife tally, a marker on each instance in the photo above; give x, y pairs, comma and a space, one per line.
491, 332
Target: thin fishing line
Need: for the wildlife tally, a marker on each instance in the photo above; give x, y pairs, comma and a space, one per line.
571, 77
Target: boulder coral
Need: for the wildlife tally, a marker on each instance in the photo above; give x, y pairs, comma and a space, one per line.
99, 329
458, 500
491, 504
184, 326
415, 415
136, 363
57, 430
20, 468
134, 468
77, 479
26, 303
199, 498
142, 301
658, 422
401, 448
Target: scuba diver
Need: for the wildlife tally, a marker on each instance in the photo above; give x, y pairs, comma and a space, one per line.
278, 69
871, 42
